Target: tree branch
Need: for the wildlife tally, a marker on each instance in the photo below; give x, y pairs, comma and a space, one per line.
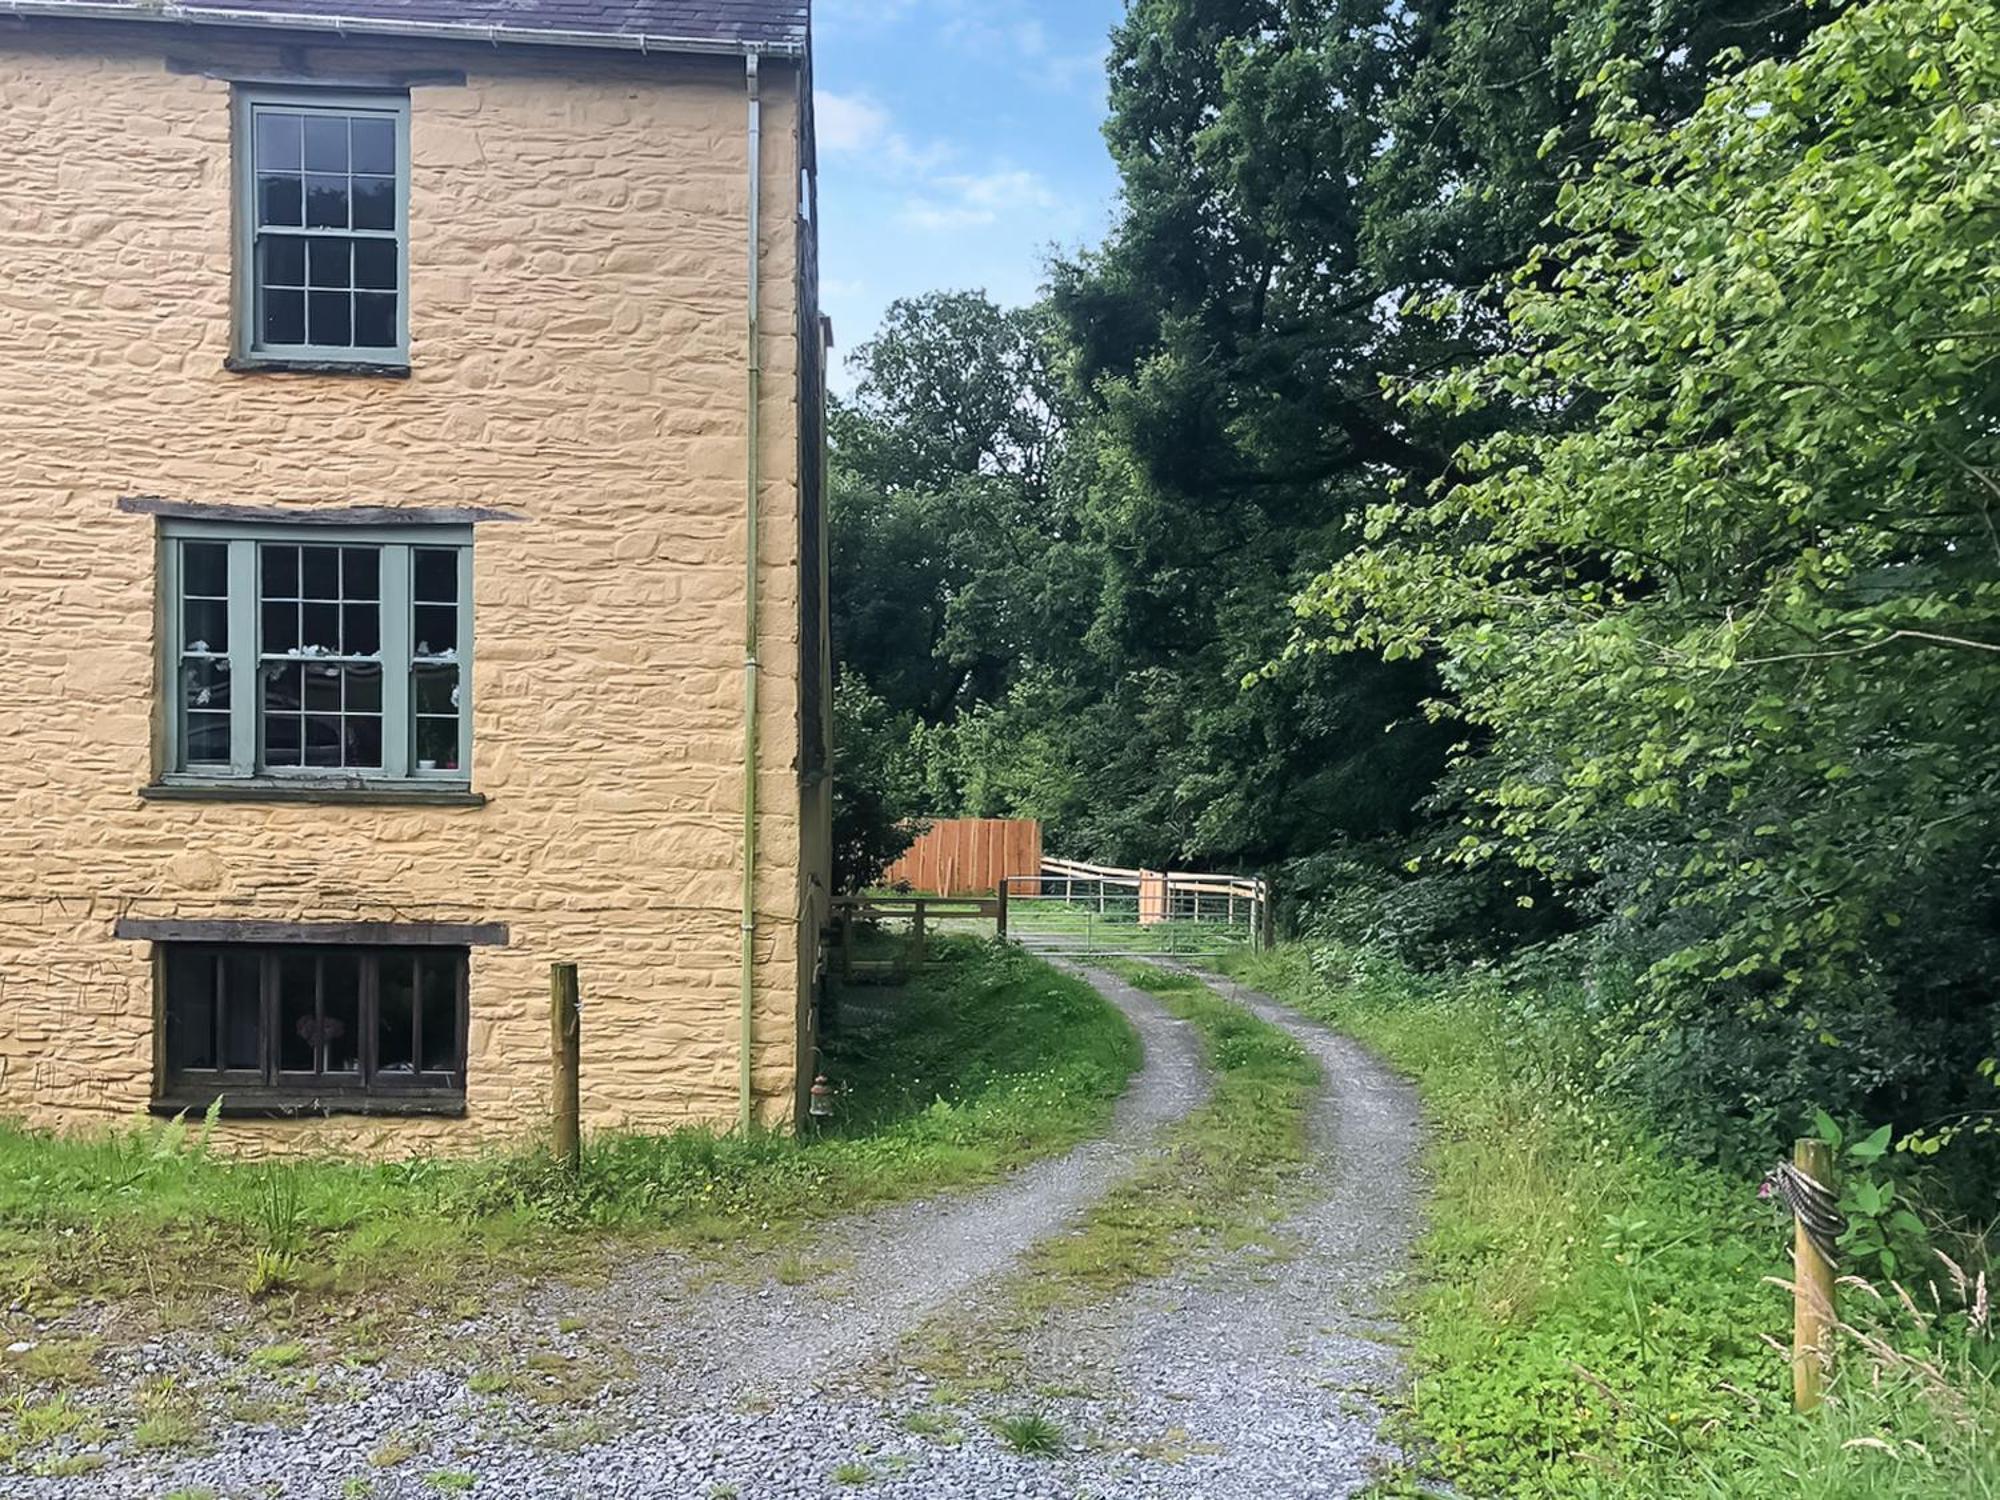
1887, 640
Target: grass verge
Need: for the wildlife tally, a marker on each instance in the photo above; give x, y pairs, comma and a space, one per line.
983, 1060
1594, 1312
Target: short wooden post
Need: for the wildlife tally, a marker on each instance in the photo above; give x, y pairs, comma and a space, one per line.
566, 1036
917, 932
1000, 913
1812, 1290
847, 944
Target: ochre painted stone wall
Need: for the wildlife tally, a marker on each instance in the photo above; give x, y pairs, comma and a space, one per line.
578, 227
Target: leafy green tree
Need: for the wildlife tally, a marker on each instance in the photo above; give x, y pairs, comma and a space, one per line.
1292, 170
948, 529
1723, 593
878, 809
1066, 536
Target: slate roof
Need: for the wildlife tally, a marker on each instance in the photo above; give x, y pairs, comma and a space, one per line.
735, 25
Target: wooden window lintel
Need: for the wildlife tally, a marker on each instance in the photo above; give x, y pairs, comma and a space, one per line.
326, 934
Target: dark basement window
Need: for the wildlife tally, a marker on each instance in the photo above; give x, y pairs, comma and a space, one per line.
297, 1029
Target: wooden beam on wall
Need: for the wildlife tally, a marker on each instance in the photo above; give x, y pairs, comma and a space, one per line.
337, 934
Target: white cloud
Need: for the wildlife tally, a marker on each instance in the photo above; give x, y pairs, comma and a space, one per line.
852, 125
858, 13
847, 123
961, 201
857, 129
1075, 72
1039, 61
934, 185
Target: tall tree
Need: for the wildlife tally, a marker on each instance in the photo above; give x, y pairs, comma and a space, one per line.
1070, 537
1728, 608
946, 511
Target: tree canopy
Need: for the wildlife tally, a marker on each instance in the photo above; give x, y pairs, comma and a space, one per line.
1725, 592
1521, 470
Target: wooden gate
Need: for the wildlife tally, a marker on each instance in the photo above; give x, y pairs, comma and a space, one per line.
969, 856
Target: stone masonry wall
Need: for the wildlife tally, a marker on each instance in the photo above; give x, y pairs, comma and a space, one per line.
577, 322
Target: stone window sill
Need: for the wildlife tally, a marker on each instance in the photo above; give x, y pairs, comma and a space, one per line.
261, 364
266, 789
284, 1104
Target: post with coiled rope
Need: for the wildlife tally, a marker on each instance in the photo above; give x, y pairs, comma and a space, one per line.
1814, 1221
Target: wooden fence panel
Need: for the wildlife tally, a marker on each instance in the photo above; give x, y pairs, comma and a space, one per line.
963, 856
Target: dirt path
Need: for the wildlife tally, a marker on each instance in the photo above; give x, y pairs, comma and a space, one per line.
1264, 1376
876, 1276
1258, 1376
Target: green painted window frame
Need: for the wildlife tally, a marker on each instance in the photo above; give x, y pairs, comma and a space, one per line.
247, 764
249, 348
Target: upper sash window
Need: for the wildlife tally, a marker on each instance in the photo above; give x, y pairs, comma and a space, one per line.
323, 205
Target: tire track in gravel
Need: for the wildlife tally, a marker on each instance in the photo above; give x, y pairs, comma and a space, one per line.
1276, 1372
1247, 1377
896, 1266
1251, 1376
725, 1388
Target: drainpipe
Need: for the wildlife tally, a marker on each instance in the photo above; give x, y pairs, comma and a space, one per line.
754, 426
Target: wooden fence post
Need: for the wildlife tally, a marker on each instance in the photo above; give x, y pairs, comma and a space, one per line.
1812, 1290
917, 932
1000, 917
565, 1034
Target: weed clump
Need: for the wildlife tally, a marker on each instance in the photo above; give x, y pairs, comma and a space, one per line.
1031, 1433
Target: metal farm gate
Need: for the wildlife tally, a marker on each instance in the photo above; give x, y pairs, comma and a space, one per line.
1073, 910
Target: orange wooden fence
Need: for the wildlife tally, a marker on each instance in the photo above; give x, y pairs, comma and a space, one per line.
960, 856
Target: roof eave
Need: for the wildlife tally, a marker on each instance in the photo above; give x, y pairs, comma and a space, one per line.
455, 31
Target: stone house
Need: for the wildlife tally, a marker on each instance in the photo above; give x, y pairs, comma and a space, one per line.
412, 564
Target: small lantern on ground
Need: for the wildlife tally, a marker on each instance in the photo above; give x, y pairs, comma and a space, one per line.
822, 1099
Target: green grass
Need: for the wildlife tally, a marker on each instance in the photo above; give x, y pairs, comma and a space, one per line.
68, 1465
26, 1424
169, 1415
986, 1059
1592, 1310
1078, 924
1217, 1180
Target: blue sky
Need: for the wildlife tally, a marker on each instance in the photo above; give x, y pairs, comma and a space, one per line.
959, 140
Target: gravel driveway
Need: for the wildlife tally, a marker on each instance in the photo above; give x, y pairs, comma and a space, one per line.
1250, 1378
